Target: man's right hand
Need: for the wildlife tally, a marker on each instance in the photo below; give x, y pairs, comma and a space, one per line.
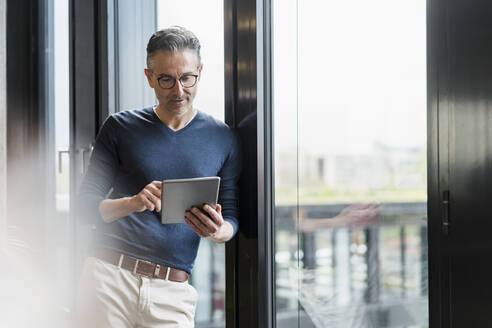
149, 198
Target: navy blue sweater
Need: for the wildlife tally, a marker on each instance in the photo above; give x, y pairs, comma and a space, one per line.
135, 148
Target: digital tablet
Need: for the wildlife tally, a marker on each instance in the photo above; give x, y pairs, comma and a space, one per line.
180, 195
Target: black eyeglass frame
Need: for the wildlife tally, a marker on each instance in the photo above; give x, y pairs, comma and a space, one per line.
174, 83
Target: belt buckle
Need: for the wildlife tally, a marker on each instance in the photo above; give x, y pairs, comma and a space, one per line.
136, 264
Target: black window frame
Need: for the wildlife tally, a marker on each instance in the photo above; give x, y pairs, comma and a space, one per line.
250, 298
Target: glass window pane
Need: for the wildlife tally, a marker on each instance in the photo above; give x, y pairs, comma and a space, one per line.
287, 255
59, 237
358, 196
208, 275
61, 99
210, 32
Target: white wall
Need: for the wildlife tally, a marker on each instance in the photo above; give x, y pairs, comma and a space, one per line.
136, 24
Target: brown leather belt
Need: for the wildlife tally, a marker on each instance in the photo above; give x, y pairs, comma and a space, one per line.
142, 267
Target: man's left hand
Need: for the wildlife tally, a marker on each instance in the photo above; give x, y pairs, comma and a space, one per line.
210, 225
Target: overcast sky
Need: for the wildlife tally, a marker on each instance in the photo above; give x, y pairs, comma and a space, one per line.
360, 69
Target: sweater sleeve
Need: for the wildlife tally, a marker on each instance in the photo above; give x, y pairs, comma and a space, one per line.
228, 192
100, 175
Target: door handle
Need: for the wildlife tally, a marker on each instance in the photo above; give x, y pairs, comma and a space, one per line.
82, 152
60, 153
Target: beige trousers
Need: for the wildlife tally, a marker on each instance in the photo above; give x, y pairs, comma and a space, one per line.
109, 296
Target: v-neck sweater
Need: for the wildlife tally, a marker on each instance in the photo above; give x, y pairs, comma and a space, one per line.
134, 148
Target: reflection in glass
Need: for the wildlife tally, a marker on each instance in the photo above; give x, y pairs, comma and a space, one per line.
350, 164
59, 234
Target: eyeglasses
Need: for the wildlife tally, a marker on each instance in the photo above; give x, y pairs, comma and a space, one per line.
186, 81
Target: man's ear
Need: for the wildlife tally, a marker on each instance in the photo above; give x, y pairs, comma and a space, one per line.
148, 74
200, 71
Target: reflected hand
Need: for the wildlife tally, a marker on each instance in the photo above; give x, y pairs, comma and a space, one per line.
355, 215
360, 215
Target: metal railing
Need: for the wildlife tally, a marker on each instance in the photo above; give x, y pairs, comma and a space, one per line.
374, 276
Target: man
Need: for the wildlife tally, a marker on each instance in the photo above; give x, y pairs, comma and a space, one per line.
137, 271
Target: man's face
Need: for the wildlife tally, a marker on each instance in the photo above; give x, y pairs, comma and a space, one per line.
167, 65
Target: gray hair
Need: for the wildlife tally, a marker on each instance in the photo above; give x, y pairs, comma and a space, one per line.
174, 39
